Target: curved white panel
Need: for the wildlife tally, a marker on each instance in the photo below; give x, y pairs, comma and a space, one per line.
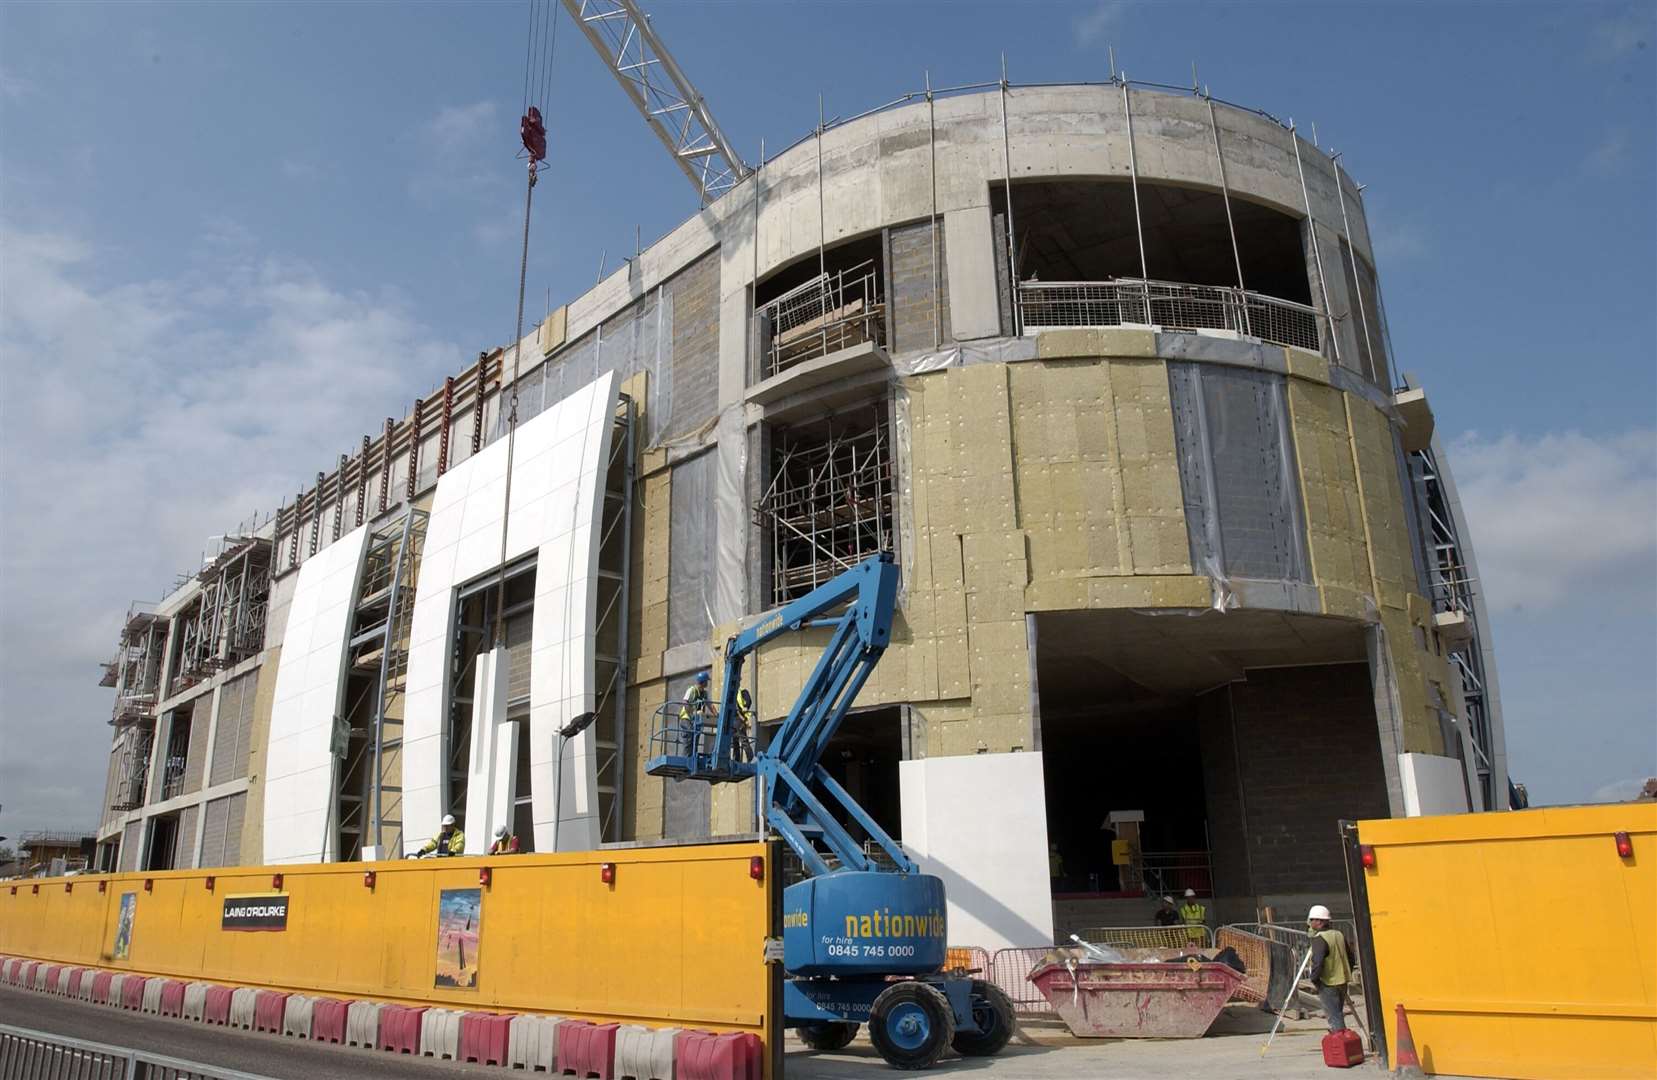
310, 681
558, 462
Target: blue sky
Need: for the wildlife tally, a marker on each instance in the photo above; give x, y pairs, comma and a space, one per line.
237, 235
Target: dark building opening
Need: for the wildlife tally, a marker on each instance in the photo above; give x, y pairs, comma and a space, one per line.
160, 854
863, 758
474, 634
1083, 230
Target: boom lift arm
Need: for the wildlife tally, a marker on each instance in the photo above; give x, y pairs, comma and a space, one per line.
857, 606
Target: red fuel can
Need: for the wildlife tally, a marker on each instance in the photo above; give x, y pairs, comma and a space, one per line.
1342, 1049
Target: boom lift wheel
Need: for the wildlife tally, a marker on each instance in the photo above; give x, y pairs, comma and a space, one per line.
910, 1024
992, 1011
828, 1036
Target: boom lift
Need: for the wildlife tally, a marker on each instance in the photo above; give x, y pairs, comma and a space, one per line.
852, 926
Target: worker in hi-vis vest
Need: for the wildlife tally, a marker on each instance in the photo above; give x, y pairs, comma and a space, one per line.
448, 841
505, 843
1330, 966
1194, 916
691, 712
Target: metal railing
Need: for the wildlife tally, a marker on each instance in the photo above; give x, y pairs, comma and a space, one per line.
1177, 936
1171, 305
24, 1052
830, 312
1170, 873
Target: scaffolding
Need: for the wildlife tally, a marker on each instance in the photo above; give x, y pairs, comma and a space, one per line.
610, 658
828, 504
135, 673
369, 783
225, 624
1453, 589
132, 769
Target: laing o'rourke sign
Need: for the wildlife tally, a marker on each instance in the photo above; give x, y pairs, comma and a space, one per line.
255, 911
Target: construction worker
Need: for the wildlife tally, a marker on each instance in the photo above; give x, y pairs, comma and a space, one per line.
691, 712
1194, 916
448, 841
505, 843
1330, 966
744, 724
1166, 915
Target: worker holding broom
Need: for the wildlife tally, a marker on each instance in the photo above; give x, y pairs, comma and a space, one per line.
1330, 965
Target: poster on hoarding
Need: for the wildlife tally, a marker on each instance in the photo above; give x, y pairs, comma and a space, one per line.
255, 911
459, 919
123, 926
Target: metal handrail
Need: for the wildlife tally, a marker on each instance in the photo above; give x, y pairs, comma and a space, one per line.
832, 311
26, 1052
1171, 305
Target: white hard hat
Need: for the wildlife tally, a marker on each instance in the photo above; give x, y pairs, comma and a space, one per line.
448, 819
1189, 893
1167, 899
500, 831
1318, 912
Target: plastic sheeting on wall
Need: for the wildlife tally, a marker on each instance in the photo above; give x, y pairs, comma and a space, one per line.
1238, 473
637, 339
691, 556
730, 577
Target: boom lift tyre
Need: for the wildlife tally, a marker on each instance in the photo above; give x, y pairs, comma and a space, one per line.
993, 1010
911, 1023
828, 1036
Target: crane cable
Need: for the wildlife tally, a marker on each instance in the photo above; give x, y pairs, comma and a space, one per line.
533, 134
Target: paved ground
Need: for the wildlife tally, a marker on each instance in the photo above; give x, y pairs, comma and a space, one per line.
1230, 1052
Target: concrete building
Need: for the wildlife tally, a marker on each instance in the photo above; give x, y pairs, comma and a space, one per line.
1107, 367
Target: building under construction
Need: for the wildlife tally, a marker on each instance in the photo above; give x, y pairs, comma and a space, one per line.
1106, 367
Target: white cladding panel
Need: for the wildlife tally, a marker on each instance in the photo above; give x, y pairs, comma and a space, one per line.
1432, 785
310, 680
980, 824
559, 460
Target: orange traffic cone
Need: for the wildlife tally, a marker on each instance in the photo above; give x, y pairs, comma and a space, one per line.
1405, 1064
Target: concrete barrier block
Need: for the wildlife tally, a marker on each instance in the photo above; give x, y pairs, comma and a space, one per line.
172, 998
7, 967
47, 978
216, 1005
362, 1023
25, 976
67, 977
400, 1029
328, 1018
644, 1053
297, 1015
587, 1049
243, 1001
532, 1042
702, 1055
440, 1033
268, 1008
117, 990
101, 983
195, 1001
91, 981
132, 992
150, 1000
484, 1038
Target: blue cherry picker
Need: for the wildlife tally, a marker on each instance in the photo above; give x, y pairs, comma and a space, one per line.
862, 943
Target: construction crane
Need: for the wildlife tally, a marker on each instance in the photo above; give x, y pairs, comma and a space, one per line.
622, 36
862, 942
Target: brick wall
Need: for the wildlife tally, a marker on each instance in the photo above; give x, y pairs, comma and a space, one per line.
909, 261
695, 292
1307, 753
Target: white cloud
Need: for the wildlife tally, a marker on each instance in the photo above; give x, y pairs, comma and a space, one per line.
462, 151
1561, 515
1619, 790
1097, 25
138, 418
1621, 35
1609, 155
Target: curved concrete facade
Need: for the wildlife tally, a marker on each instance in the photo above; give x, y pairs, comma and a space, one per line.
1179, 538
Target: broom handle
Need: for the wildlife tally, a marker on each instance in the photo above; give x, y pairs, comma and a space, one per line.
1294, 988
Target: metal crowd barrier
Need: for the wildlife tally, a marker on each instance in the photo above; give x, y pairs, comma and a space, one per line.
43, 1055
1178, 936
